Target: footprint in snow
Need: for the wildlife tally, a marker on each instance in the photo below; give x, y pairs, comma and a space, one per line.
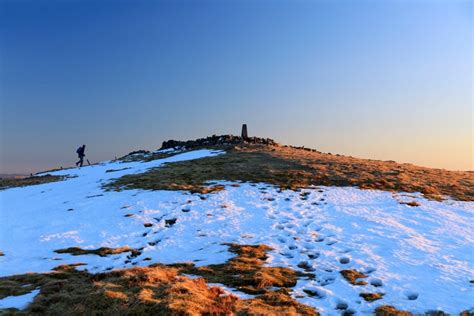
279, 226
319, 239
313, 255
326, 281
369, 270
410, 295
344, 260
314, 293
287, 255
341, 305
376, 282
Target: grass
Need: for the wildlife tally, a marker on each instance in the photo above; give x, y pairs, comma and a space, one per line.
370, 297
157, 290
102, 252
387, 310
34, 180
142, 155
246, 271
291, 168
353, 277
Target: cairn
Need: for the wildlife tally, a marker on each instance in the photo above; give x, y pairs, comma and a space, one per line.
221, 140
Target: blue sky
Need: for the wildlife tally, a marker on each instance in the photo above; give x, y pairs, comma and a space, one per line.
377, 79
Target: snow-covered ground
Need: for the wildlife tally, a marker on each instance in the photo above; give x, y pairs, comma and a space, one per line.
421, 258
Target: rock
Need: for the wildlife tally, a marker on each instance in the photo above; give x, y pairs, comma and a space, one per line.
215, 140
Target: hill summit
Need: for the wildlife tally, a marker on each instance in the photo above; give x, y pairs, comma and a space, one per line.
258, 159
239, 227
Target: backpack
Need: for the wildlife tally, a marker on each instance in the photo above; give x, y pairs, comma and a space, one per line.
79, 150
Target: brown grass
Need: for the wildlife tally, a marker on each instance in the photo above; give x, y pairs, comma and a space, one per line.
245, 271
34, 180
387, 310
353, 276
370, 297
292, 168
157, 290
144, 156
103, 251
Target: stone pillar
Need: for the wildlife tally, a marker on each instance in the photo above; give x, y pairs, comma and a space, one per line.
244, 131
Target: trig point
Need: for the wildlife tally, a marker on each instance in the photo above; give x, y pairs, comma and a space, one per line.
244, 131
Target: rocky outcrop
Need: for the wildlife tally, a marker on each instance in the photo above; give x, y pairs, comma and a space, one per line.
215, 140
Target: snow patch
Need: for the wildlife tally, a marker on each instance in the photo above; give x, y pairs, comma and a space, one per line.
18, 302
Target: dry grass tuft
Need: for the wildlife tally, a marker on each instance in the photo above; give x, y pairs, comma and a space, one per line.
103, 251
387, 310
245, 271
353, 276
291, 168
370, 297
274, 303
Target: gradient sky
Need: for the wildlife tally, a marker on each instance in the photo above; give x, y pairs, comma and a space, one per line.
375, 79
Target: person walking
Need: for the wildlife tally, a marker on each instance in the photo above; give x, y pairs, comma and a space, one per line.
80, 153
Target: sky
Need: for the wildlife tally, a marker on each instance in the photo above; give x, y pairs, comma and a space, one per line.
389, 80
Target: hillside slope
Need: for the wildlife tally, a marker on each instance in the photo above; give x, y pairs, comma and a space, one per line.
248, 228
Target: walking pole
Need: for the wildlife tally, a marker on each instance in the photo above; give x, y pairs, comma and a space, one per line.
88, 162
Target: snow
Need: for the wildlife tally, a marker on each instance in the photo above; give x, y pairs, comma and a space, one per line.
421, 258
18, 302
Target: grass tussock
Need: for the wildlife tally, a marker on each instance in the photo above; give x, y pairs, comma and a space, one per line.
291, 168
102, 252
353, 277
370, 297
246, 271
154, 290
387, 310
34, 180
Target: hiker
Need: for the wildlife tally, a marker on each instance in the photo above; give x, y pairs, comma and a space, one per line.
81, 155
